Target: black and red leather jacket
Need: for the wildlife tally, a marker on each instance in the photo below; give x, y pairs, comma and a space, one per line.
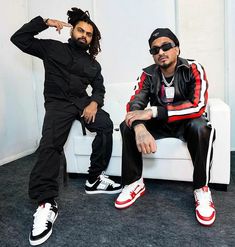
191, 92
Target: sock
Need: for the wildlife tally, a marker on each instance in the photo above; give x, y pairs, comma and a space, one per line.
48, 200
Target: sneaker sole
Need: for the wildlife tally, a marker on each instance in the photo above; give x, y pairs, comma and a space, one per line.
102, 192
42, 240
123, 206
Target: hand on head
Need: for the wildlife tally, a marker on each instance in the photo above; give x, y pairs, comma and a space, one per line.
57, 24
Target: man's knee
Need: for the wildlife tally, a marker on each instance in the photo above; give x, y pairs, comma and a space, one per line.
107, 125
125, 130
103, 122
50, 145
200, 127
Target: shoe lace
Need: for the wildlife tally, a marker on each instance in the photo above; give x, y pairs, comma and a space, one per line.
41, 216
105, 179
204, 198
127, 190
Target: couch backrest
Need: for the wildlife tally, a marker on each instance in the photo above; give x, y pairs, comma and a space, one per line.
116, 97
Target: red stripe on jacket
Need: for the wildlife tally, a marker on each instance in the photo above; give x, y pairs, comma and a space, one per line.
194, 115
196, 93
140, 86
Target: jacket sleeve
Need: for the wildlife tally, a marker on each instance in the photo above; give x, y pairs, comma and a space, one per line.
140, 99
24, 38
194, 106
98, 89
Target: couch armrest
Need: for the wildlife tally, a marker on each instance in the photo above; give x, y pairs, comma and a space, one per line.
219, 116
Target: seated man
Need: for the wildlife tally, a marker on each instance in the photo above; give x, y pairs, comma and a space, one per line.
69, 69
176, 89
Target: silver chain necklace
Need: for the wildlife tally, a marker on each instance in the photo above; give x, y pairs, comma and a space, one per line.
168, 84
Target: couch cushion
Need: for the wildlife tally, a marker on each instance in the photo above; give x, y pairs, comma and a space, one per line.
169, 148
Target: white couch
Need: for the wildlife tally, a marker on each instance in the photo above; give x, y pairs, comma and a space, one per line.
171, 161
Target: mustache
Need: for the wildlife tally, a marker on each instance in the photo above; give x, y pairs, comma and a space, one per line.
82, 39
162, 56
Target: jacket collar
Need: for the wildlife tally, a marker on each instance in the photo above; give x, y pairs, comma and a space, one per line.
181, 63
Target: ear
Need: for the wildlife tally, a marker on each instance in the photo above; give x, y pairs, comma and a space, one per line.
71, 31
178, 51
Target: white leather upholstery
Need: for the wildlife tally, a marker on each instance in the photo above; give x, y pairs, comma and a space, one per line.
171, 161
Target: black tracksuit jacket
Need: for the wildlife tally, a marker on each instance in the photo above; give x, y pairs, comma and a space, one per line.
191, 92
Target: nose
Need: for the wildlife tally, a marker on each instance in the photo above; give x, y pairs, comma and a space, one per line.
160, 51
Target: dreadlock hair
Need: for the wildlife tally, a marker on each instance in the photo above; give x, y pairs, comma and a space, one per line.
74, 16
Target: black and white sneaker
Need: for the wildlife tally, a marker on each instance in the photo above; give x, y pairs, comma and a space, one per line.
103, 185
44, 218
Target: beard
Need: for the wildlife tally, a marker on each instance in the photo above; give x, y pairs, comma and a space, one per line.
165, 65
82, 45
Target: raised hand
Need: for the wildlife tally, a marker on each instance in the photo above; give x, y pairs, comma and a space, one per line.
57, 24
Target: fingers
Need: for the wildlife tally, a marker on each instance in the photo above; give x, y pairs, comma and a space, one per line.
130, 118
139, 148
85, 116
89, 118
146, 144
127, 119
143, 148
137, 115
153, 146
147, 148
58, 24
93, 118
65, 24
129, 122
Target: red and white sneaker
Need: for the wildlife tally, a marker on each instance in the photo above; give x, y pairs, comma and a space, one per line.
130, 193
205, 209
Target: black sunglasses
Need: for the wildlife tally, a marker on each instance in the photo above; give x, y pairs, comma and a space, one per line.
165, 47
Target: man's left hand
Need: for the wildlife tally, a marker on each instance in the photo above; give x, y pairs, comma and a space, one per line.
138, 115
89, 112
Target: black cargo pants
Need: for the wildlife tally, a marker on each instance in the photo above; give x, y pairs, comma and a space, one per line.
58, 120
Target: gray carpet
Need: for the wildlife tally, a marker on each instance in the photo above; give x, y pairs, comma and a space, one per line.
164, 216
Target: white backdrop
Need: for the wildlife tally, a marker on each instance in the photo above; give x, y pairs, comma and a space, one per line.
125, 27
230, 63
18, 113
201, 33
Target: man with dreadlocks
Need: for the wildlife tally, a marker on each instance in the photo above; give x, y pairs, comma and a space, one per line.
69, 69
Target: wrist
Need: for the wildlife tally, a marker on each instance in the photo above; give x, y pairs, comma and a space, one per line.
139, 126
46, 20
94, 103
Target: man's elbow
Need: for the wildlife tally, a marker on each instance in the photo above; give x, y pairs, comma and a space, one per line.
18, 42
14, 39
